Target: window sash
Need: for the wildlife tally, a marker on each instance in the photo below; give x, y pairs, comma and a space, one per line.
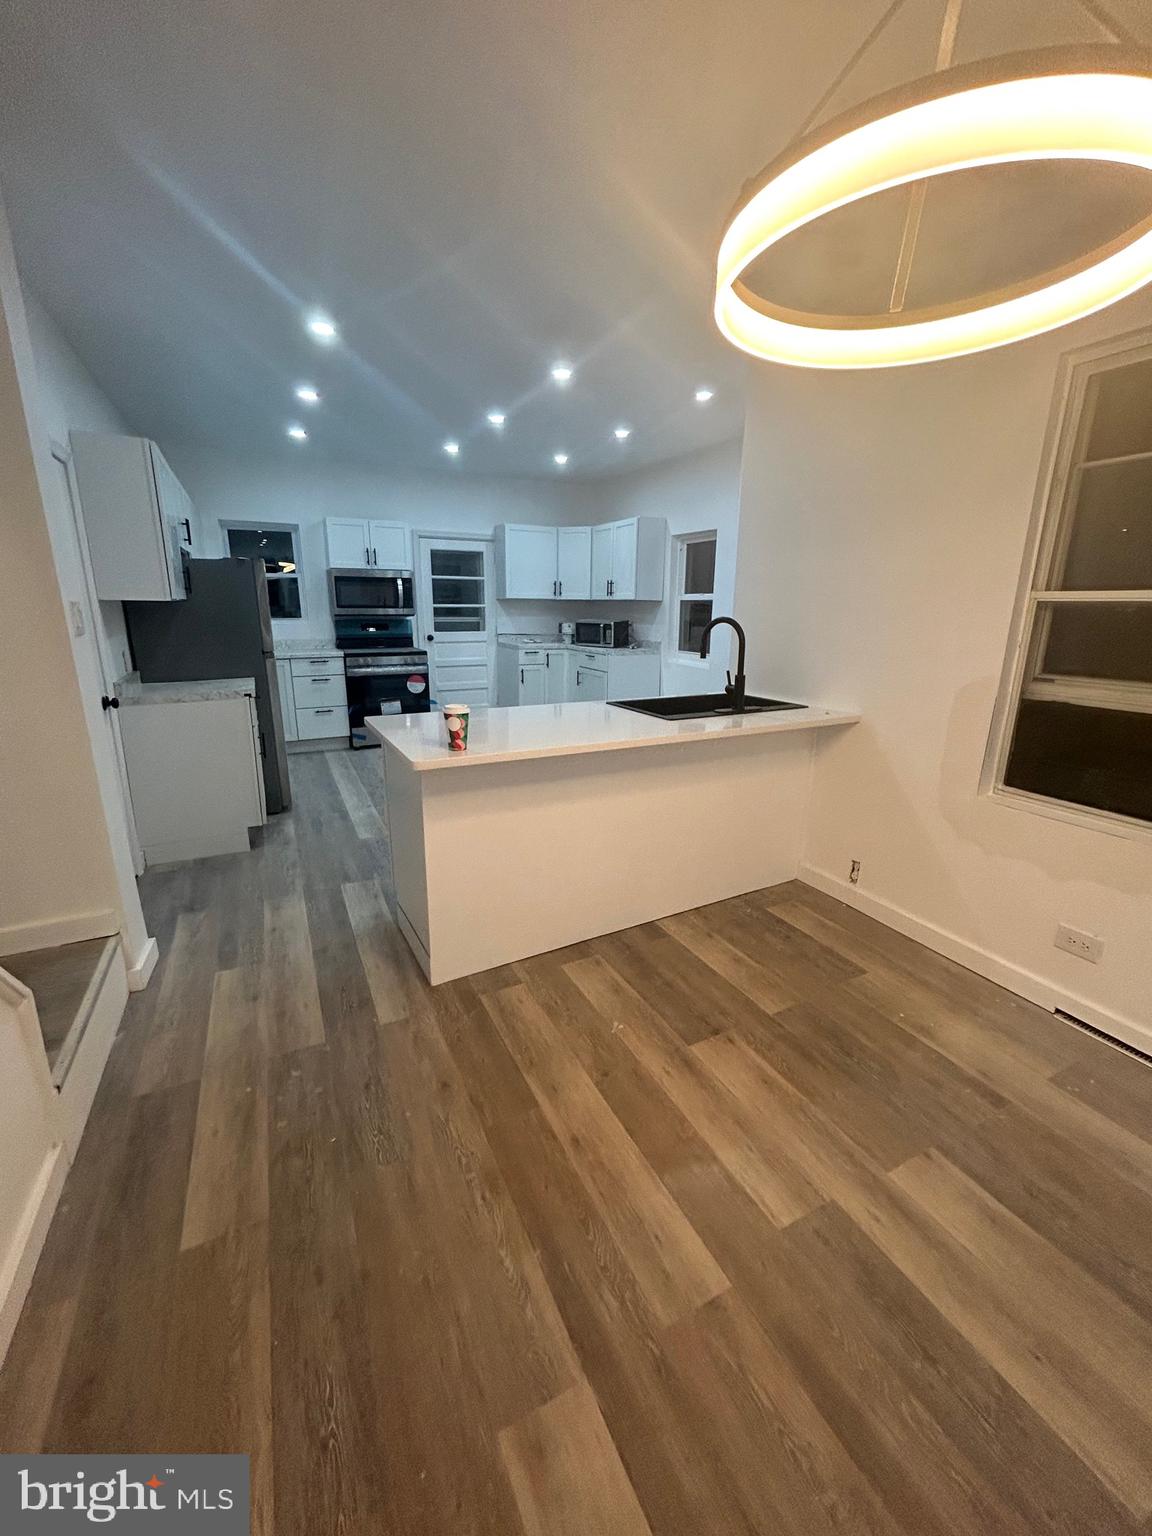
1050, 538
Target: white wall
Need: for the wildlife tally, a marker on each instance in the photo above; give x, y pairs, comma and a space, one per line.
884, 518
303, 493
697, 492
71, 400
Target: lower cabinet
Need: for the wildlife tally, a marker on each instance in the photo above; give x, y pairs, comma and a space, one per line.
537, 674
195, 777
313, 698
287, 699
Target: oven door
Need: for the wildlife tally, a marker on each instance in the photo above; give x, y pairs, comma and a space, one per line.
391, 688
371, 593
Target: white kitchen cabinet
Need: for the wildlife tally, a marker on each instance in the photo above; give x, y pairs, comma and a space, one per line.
633, 674
533, 684
526, 560
590, 676
557, 675
574, 562
601, 585
194, 773
361, 544
287, 699
628, 559
137, 518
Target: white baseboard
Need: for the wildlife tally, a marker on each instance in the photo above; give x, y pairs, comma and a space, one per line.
140, 973
28, 1240
1005, 973
87, 1066
57, 931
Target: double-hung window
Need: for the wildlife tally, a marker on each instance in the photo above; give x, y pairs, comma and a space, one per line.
278, 549
1079, 717
695, 587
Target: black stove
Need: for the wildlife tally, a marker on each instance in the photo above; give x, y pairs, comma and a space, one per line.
386, 674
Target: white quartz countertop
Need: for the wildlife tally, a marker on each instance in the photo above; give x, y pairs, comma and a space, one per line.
130, 690
528, 642
565, 730
284, 650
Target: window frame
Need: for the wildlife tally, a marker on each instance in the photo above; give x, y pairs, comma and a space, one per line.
1049, 531
293, 530
680, 596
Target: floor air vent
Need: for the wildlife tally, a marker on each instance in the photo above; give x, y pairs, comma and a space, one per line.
1117, 1045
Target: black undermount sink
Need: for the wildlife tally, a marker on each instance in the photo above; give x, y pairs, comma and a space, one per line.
700, 706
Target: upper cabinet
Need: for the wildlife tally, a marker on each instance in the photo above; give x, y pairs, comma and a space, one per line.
622, 560
137, 518
357, 543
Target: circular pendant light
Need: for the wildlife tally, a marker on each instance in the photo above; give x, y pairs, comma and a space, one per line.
1055, 104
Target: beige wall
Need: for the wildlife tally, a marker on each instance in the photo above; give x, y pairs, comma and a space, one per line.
57, 869
884, 519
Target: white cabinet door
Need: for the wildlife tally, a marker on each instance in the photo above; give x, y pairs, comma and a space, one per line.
348, 542
532, 684
287, 699
601, 560
591, 682
574, 562
529, 561
623, 559
556, 687
388, 543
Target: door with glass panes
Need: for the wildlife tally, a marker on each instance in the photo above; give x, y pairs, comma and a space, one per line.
457, 625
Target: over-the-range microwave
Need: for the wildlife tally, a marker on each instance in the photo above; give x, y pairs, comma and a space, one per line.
614, 632
370, 593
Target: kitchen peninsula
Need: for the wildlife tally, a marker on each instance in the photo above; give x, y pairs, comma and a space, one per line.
565, 821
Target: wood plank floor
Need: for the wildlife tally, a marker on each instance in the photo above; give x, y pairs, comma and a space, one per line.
762, 1219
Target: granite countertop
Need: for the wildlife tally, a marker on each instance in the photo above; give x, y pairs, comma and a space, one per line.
553, 643
564, 730
130, 690
284, 650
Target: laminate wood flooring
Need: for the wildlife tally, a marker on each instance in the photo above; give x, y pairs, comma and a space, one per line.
760, 1219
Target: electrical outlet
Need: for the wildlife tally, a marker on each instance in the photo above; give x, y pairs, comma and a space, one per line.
1077, 943
854, 873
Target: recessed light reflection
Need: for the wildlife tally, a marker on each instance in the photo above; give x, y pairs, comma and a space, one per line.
562, 372
560, 458
704, 394
322, 327
452, 449
308, 393
297, 433
622, 434
496, 419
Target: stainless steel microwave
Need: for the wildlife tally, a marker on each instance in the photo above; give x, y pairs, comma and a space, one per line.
370, 593
613, 632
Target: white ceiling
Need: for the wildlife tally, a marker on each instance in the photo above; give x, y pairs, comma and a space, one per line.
472, 188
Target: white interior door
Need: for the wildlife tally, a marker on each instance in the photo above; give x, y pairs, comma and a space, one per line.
455, 611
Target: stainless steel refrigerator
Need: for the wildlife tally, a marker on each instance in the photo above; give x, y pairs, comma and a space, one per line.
221, 629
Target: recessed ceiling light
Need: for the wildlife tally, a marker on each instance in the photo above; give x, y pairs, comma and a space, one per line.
322, 327
560, 458
296, 432
703, 395
622, 434
496, 419
451, 448
562, 372
308, 393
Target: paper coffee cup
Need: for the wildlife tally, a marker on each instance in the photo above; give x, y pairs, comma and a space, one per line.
456, 720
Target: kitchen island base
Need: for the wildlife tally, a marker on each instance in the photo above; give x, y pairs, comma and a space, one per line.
495, 862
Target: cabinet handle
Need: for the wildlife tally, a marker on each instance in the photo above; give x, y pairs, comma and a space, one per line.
521, 677
367, 552
374, 559
187, 529
324, 711
547, 658
559, 589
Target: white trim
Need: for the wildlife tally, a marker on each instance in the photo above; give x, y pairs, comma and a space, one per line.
87, 1065
974, 957
140, 974
59, 930
242, 525
28, 1241
1105, 823
679, 565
